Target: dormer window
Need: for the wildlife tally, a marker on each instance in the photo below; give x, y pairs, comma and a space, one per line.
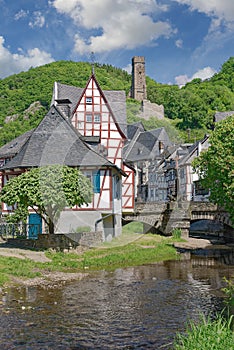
89, 100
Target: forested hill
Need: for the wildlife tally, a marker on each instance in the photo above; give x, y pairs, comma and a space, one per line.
25, 97
195, 103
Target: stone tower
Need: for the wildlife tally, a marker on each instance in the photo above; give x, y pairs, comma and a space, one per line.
138, 89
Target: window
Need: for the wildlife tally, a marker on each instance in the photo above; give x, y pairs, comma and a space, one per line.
96, 118
199, 190
89, 118
116, 187
96, 181
182, 173
93, 118
89, 100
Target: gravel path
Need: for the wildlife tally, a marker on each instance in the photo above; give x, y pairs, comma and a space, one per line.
23, 254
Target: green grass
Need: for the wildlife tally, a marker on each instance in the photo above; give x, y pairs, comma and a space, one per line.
129, 249
133, 227
23, 268
207, 335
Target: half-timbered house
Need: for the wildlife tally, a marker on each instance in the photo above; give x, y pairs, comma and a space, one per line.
84, 128
100, 117
144, 149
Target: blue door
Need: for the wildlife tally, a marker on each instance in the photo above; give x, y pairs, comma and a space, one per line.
35, 226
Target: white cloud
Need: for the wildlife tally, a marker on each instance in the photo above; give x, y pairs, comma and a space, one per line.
20, 14
203, 74
179, 43
223, 9
128, 68
220, 32
122, 24
17, 62
38, 20
181, 80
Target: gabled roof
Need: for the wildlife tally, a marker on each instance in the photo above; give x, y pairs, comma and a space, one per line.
146, 145
115, 99
194, 151
13, 147
56, 141
133, 128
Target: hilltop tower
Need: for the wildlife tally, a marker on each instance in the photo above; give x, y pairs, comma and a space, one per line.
138, 89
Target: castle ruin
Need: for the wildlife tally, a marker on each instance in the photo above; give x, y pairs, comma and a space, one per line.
139, 92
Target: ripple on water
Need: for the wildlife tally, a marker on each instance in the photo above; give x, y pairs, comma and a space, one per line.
135, 308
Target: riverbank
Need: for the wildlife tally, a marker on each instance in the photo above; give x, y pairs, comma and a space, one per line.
30, 267
48, 268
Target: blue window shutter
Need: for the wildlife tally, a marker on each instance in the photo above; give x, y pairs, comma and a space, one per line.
96, 181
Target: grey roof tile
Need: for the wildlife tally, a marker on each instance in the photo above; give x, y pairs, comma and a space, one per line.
133, 128
146, 145
13, 147
222, 115
55, 141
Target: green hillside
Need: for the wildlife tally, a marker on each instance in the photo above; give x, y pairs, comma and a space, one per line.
194, 105
25, 97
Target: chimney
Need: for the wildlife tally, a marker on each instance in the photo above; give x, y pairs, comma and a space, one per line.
64, 106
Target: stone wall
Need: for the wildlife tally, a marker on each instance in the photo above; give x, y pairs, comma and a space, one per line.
60, 242
149, 109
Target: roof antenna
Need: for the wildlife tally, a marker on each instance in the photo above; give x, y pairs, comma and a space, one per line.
92, 58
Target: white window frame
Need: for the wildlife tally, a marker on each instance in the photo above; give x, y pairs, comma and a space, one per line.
97, 118
88, 100
89, 117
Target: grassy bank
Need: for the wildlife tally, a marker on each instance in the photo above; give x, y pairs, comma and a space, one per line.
207, 335
130, 249
211, 334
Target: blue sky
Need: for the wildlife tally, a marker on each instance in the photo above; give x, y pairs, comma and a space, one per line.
180, 39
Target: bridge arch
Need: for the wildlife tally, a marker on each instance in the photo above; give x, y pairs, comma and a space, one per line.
163, 217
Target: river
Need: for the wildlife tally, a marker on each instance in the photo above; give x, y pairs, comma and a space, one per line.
133, 308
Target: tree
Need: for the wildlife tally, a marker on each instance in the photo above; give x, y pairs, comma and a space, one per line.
215, 166
48, 190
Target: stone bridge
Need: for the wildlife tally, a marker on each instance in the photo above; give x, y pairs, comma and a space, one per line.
163, 217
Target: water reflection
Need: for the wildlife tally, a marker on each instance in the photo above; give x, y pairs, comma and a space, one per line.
134, 308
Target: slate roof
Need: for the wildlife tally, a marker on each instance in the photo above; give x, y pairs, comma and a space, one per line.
186, 159
222, 115
133, 128
146, 145
115, 99
56, 141
13, 147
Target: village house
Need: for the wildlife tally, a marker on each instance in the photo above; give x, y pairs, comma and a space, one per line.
84, 128
189, 188
163, 174
143, 149
173, 177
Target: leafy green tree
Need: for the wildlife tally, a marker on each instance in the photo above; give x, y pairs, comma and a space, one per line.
216, 165
48, 190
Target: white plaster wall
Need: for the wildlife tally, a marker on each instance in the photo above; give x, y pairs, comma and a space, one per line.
70, 220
